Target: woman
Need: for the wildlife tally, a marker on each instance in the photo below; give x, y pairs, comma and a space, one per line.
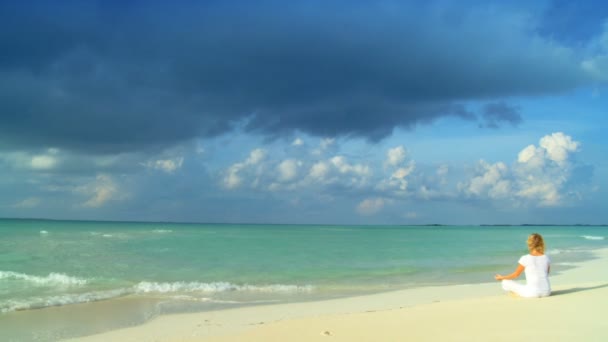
537, 266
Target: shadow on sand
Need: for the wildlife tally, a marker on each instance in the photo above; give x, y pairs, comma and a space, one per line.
576, 289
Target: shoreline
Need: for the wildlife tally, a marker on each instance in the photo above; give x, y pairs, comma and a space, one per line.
413, 313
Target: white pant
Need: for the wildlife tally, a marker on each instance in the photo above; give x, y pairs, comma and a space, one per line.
523, 290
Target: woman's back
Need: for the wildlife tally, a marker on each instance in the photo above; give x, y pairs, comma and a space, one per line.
537, 272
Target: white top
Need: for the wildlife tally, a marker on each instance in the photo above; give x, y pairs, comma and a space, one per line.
537, 272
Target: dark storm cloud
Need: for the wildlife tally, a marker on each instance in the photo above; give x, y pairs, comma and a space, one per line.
114, 76
494, 114
573, 22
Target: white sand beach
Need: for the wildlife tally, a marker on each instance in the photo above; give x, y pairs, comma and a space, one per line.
576, 311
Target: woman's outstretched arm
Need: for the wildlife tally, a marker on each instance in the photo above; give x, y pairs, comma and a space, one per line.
513, 275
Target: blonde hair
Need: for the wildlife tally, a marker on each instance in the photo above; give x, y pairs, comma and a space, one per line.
536, 243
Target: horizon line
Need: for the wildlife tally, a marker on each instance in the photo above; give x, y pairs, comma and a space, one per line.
315, 224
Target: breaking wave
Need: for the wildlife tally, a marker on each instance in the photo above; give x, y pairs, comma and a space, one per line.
591, 237
51, 279
59, 300
152, 287
171, 290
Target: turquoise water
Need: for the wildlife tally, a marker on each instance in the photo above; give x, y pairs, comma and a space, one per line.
184, 267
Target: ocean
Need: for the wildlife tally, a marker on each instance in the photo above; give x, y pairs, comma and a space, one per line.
63, 279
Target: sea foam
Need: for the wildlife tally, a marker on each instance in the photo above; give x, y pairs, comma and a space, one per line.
51, 279
591, 237
154, 287
161, 231
174, 290
60, 300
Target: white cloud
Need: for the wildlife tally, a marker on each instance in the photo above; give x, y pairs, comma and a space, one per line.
341, 164
395, 156
297, 142
558, 147
543, 190
491, 181
532, 156
233, 178
539, 175
403, 172
397, 181
288, 169
100, 191
43, 162
395, 162
255, 157
27, 203
371, 206
166, 165
37, 162
319, 171
341, 171
542, 171
398, 178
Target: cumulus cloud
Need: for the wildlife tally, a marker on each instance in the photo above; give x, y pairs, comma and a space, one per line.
558, 146
395, 156
319, 171
233, 177
398, 178
342, 165
541, 189
288, 169
490, 182
539, 175
399, 170
338, 170
542, 171
531, 155
293, 173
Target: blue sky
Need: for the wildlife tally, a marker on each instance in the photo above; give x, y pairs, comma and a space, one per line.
342, 112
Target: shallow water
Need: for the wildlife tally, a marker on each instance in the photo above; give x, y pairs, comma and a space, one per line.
160, 267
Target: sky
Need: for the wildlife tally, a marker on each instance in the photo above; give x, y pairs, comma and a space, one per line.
305, 112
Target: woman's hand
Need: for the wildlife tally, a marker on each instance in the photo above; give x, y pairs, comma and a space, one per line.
520, 268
